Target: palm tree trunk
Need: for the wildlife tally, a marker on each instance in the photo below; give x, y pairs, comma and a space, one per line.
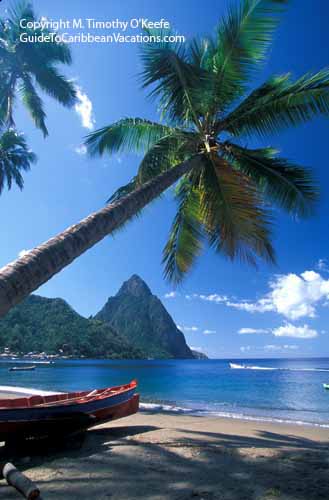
21, 277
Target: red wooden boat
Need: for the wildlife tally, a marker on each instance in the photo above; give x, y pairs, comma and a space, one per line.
63, 413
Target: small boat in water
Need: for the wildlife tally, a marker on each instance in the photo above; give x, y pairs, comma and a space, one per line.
39, 415
21, 368
326, 386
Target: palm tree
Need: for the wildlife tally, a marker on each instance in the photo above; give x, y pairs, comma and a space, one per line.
15, 157
224, 187
26, 66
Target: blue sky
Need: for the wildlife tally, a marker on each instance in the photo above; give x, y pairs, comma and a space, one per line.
279, 311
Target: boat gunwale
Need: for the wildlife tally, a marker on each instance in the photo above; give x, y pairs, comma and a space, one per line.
82, 398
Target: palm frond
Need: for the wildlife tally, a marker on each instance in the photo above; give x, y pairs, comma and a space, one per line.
243, 39
124, 190
282, 182
56, 85
127, 135
33, 103
175, 81
7, 97
201, 53
185, 239
47, 53
166, 153
280, 103
15, 157
21, 8
26, 66
234, 218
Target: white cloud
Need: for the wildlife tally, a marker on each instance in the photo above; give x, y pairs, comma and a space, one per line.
170, 295
214, 297
322, 265
187, 328
269, 348
287, 330
84, 108
209, 332
292, 296
298, 332
262, 305
286, 347
81, 149
244, 331
22, 253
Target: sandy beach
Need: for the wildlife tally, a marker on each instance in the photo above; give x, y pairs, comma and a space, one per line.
166, 456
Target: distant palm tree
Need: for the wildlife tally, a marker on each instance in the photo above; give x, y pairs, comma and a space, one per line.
224, 187
26, 66
15, 157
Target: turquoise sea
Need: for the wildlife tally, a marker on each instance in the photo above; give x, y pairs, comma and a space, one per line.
271, 389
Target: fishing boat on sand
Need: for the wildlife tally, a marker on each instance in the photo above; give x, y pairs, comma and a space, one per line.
39, 415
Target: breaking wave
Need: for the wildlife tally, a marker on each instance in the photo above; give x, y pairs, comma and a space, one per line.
165, 408
236, 366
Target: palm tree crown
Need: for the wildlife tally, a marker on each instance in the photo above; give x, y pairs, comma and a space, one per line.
15, 157
208, 112
26, 65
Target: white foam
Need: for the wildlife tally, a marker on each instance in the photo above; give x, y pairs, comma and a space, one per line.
25, 391
161, 408
235, 366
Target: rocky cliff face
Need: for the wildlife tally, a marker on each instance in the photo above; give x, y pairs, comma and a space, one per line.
199, 355
142, 319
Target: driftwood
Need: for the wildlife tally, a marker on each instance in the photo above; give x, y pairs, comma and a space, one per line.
19, 481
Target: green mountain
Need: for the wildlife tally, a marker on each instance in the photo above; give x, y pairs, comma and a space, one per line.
49, 325
134, 324
142, 319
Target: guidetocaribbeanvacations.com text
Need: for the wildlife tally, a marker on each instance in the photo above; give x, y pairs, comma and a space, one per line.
90, 38
46, 31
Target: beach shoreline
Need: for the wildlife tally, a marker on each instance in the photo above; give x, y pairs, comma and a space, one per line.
174, 456
229, 415
9, 392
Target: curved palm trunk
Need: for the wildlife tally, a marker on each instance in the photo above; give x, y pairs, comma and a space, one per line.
21, 277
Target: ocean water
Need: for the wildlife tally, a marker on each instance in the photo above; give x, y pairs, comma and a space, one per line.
288, 390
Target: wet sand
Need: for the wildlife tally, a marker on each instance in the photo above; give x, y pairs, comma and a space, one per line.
165, 456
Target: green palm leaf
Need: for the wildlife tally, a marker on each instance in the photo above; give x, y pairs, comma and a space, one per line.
56, 85
243, 39
280, 103
124, 191
236, 223
15, 157
290, 186
166, 153
26, 66
185, 239
127, 135
175, 81
33, 103
7, 97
